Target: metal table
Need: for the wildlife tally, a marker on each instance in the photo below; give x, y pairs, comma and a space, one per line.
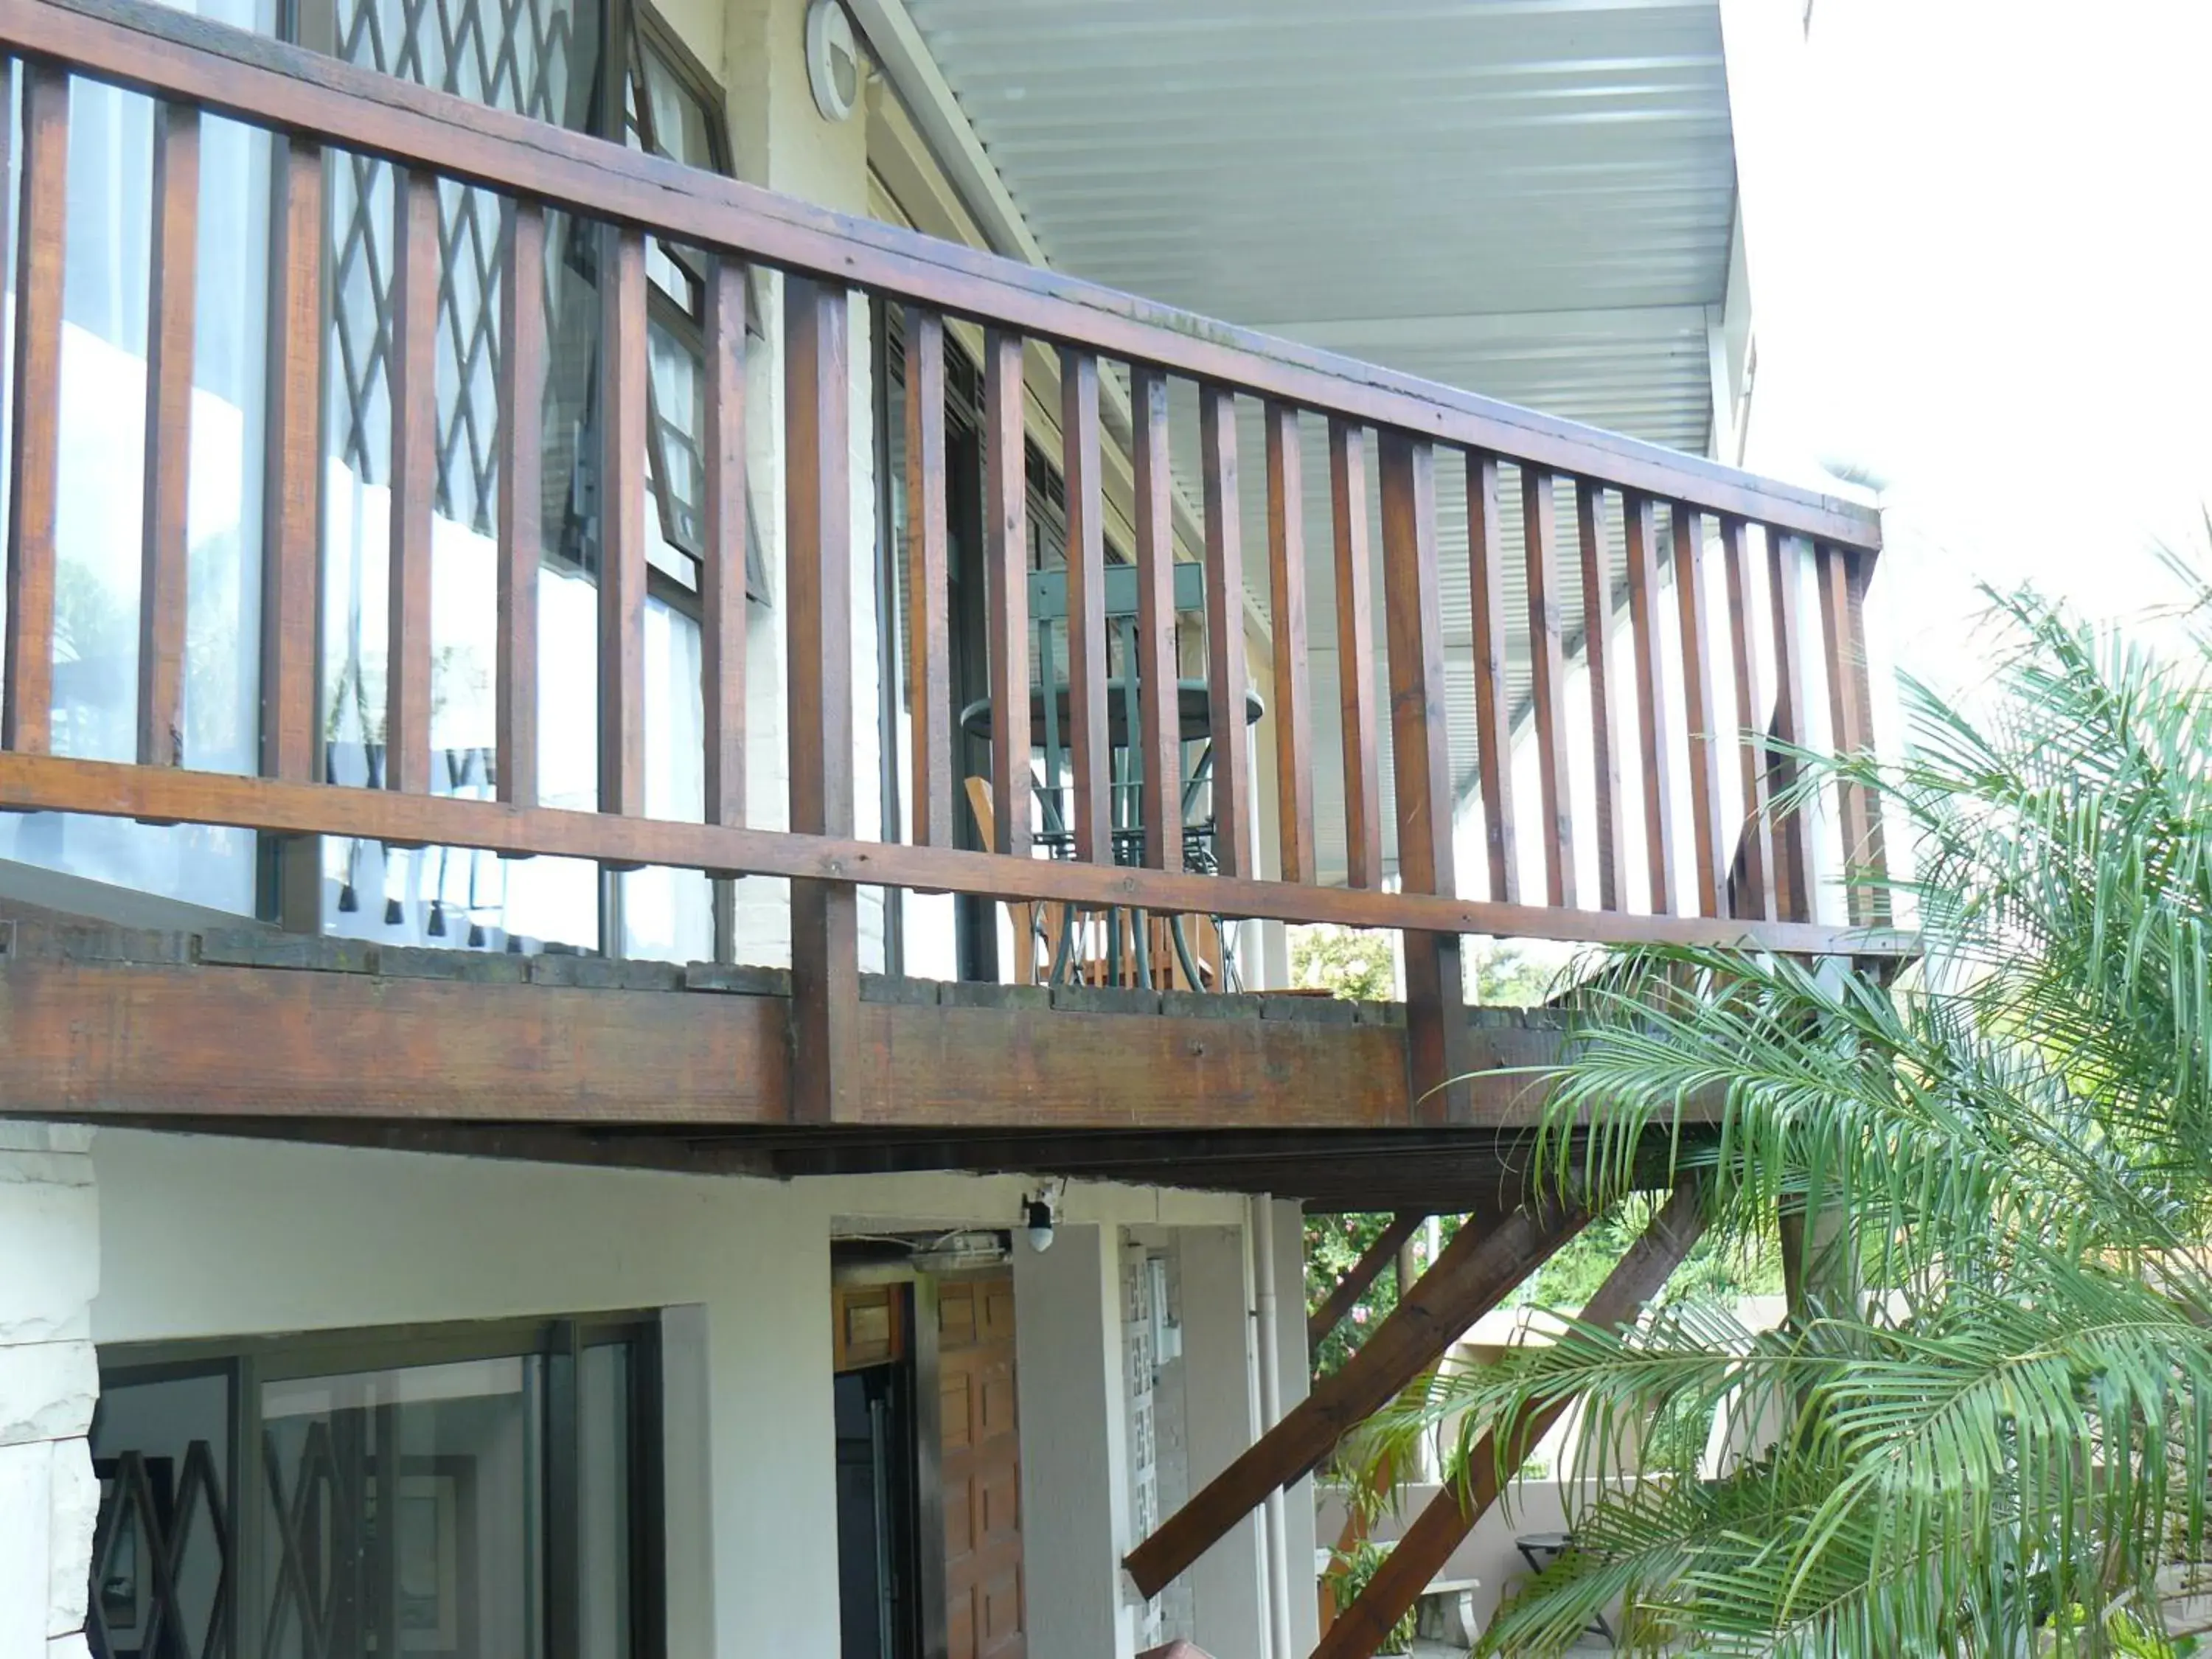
1050, 720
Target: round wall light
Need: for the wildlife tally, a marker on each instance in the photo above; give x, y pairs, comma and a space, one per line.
833, 59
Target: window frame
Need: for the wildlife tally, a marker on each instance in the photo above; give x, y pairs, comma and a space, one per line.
247, 1362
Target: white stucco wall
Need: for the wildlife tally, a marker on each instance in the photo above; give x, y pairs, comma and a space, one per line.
1221, 1412
202, 1237
1295, 1382
49, 1271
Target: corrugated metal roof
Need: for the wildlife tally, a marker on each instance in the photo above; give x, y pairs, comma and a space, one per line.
1285, 162
1528, 198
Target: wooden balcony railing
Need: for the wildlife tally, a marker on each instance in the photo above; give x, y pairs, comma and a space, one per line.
1727, 884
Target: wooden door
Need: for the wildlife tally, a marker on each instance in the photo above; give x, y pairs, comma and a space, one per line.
980, 1468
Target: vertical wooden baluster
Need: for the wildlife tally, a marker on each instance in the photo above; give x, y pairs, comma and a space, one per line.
414, 374
1224, 628
1641, 522
521, 405
722, 575
929, 650
1792, 880
291, 508
1355, 655
1160, 748
1700, 713
8, 66
1086, 604
622, 521
1758, 899
1597, 631
291, 561
1860, 569
723, 578
1548, 676
1438, 1047
290, 564
1841, 624
825, 945
1286, 591
1493, 715
27, 696
1006, 571
164, 552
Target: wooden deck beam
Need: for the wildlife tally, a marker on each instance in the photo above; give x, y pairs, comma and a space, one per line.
119, 1022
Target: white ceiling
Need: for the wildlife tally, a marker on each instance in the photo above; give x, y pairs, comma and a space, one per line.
1528, 198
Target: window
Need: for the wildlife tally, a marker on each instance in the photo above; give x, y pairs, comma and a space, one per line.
618, 71
471, 1492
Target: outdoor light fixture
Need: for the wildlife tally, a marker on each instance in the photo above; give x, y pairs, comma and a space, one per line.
1040, 1211
833, 59
1036, 1217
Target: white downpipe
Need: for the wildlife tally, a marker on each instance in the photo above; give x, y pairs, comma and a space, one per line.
1271, 1411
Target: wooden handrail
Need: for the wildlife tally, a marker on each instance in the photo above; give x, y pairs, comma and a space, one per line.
165, 794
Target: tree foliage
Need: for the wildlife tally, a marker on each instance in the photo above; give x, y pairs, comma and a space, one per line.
1987, 1428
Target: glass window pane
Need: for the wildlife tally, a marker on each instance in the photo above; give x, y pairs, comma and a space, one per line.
679, 121
676, 456
603, 1493
161, 1452
404, 1511
668, 915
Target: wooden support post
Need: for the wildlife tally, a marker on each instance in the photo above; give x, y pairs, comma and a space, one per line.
164, 554
1476, 1270
1709, 836
1843, 628
1437, 1048
1007, 588
1756, 842
1493, 712
1548, 663
1642, 530
1159, 747
1451, 1515
1224, 629
1086, 608
1292, 714
622, 347
722, 595
414, 373
27, 666
825, 946
722, 572
522, 425
1355, 655
1793, 890
1597, 631
1362, 1273
929, 597
291, 502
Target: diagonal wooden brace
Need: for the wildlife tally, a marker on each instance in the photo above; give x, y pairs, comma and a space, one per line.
1420, 1554
1362, 1273
1473, 1275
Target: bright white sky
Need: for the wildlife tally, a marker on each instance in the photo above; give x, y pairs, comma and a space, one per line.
1980, 234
